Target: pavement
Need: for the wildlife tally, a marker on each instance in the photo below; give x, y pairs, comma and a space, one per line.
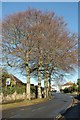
74, 111
49, 109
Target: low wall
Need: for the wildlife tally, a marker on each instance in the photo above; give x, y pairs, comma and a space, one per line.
14, 97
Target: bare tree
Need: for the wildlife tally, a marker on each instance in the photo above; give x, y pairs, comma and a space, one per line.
40, 37
17, 44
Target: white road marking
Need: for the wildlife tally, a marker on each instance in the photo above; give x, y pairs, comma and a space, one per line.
37, 109
33, 110
22, 109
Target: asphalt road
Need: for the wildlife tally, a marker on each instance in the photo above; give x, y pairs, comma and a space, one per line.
49, 109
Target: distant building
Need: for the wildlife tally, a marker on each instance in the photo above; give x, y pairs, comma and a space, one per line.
55, 88
67, 85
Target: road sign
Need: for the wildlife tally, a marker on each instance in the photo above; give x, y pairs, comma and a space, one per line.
8, 81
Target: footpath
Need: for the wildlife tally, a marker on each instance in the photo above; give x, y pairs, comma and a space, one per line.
74, 111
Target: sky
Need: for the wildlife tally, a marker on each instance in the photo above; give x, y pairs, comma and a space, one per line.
40, 0
68, 10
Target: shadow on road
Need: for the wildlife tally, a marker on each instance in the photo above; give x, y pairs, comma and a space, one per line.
73, 112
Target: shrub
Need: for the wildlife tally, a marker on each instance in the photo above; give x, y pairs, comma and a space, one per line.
12, 89
33, 89
67, 90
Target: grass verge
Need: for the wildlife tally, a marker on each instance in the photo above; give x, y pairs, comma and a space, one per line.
23, 103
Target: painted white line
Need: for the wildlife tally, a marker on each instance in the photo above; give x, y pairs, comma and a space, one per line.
37, 109
33, 110
13, 116
22, 109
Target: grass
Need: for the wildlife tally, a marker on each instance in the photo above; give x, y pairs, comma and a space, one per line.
23, 103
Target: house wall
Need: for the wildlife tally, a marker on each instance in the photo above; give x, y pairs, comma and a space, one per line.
67, 86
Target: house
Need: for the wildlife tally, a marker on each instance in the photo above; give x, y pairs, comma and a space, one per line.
67, 85
55, 88
16, 80
8, 79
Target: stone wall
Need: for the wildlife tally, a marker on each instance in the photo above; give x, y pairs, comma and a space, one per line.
14, 97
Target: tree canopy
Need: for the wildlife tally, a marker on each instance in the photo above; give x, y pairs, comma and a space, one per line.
36, 40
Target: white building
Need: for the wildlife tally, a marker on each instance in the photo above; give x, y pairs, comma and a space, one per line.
55, 87
67, 85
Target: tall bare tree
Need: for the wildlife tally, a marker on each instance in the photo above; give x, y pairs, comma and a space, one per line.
17, 44
31, 35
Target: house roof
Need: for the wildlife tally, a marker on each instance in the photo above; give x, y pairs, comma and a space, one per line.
15, 79
68, 83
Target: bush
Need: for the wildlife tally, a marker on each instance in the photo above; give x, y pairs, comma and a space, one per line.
20, 89
67, 90
33, 89
12, 89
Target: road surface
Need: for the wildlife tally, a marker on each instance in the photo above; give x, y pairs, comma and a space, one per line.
48, 109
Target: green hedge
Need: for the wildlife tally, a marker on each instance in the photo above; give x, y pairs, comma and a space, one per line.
33, 89
11, 90
67, 90
19, 89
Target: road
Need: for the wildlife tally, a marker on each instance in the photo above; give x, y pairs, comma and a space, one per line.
48, 109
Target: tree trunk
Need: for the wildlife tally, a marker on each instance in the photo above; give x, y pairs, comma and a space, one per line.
28, 80
28, 91
39, 76
49, 88
50, 73
45, 84
39, 84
